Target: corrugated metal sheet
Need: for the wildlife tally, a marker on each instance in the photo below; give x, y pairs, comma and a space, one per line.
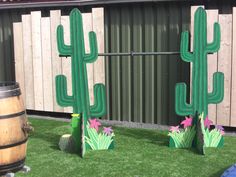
142, 88
6, 45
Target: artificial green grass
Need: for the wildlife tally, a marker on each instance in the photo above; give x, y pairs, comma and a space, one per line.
137, 153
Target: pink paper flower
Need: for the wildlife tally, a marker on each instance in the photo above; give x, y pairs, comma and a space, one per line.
222, 132
219, 127
174, 129
107, 130
187, 122
207, 122
94, 124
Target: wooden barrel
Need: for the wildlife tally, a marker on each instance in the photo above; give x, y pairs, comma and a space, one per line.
13, 138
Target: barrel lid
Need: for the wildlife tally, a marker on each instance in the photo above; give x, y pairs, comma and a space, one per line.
9, 89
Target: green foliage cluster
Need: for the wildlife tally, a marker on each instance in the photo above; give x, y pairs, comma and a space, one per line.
184, 138
212, 138
98, 140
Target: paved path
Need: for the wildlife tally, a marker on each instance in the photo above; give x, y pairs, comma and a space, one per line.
121, 124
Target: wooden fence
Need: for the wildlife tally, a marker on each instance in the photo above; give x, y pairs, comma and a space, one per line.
37, 60
224, 60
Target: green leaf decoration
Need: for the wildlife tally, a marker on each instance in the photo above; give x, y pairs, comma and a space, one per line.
212, 138
197, 136
184, 138
96, 140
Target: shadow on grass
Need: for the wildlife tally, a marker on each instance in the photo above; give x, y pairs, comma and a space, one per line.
52, 138
154, 137
194, 151
159, 138
219, 173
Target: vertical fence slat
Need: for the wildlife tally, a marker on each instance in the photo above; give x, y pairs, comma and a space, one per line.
28, 61
66, 61
174, 61
107, 63
137, 65
126, 64
87, 23
233, 88
162, 66
56, 60
2, 62
115, 65
47, 64
37, 59
224, 65
212, 17
98, 28
149, 65
19, 62
7, 46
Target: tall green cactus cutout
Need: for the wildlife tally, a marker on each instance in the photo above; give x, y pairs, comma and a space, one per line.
200, 97
79, 99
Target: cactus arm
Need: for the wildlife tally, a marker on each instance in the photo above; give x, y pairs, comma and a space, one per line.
61, 92
184, 48
92, 56
181, 107
62, 47
99, 107
217, 94
215, 45
80, 97
200, 97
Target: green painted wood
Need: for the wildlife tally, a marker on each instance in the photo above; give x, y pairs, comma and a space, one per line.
200, 97
79, 99
185, 66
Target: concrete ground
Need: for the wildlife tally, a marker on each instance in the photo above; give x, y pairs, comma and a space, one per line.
230, 131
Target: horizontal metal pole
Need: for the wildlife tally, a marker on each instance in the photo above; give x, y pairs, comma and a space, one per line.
138, 53
133, 54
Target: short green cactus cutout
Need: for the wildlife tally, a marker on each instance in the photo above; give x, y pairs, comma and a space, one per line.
79, 99
200, 97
